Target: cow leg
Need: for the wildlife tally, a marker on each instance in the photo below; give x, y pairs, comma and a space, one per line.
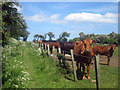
50, 50
77, 65
93, 60
80, 66
63, 53
88, 69
108, 60
83, 70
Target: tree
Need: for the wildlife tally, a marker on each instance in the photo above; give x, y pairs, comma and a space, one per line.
36, 36
41, 37
13, 23
51, 35
112, 35
82, 35
45, 36
63, 36
24, 34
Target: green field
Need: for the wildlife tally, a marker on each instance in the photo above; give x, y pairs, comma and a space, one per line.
44, 73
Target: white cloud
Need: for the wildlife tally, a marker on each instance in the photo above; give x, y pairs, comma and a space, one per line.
90, 17
75, 17
55, 16
36, 18
43, 18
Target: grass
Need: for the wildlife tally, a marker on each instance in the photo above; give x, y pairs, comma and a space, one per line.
44, 73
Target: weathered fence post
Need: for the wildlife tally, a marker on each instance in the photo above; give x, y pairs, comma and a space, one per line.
73, 65
48, 49
54, 53
97, 71
45, 46
59, 49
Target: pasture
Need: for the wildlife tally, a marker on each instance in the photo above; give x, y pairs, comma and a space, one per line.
44, 73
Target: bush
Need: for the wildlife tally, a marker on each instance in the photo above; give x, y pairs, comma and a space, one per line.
14, 73
64, 67
110, 41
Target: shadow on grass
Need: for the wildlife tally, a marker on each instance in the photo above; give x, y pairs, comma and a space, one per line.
68, 78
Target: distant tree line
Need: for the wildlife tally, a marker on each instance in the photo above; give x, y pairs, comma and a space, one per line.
13, 24
111, 38
62, 37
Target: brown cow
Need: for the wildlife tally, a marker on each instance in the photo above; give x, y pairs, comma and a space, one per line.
104, 50
66, 46
40, 42
55, 44
83, 54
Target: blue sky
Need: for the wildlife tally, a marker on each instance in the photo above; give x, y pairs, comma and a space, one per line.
57, 17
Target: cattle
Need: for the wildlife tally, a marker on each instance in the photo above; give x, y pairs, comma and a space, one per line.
104, 50
83, 54
66, 46
56, 44
40, 42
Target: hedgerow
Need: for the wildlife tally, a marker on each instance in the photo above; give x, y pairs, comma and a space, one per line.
14, 74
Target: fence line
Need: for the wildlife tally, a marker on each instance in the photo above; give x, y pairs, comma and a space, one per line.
77, 54
97, 67
73, 53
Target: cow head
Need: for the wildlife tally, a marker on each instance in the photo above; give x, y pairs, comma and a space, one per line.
88, 44
79, 46
113, 47
40, 41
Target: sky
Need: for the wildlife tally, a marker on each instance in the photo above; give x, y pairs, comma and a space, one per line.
71, 17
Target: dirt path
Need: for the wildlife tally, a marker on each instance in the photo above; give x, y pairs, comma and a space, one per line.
113, 60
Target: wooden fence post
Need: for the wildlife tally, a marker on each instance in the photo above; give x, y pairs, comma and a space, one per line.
59, 49
48, 49
54, 53
97, 71
73, 65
